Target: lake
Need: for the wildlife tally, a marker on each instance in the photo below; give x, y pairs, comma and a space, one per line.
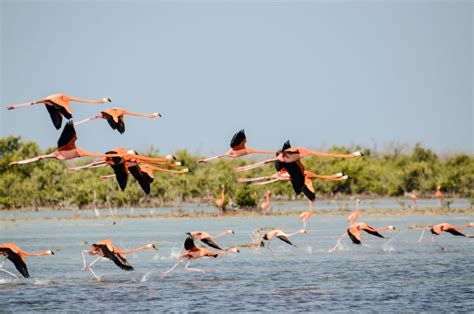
395, 274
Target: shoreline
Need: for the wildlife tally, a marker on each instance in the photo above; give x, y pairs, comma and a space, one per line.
254, 214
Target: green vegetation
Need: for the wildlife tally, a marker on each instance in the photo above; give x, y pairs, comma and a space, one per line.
49, 184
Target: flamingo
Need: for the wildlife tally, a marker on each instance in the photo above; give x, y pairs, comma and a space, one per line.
290, 154
67, 148
237, 148
283, 175
354, 233
17, 256
193, 252
105, 248
220, 202
58, 106
305, 216
148, 170
266, 204
280, 235
116, 117
207, 238
356, 214
445, 227
414, 198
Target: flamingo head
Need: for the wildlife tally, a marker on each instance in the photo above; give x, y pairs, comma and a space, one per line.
302, 231
106, 99
186, 170
132, 152
156, 114
152, 246
265, 237
170, 157
178, 163
233, 250
339, 174
391, 228
49, 252
357, 200
230, 231
345, 177
357, 154
269, 192
471, 224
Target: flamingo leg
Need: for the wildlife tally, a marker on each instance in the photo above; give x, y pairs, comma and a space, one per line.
267, 182
11, 274
171, 269
337, 243
421, 237
255, 165
193, 269
305, 222
84, 259
26, 161
211, 158
27, 104
85, 120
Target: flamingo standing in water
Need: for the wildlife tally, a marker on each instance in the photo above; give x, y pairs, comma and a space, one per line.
305, 216
238, 148
354, 233
207, 238
193, 252
266, 204
438, 193
279, 235
220, 202
290, 154
105, 249
17, 256
116, 118
58, 106
67, 148
356, 214
445, 227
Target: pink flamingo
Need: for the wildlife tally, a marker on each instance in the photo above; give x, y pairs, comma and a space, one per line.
105, 249
207, 238
67, 148
279, 235
356, 214
193, 252
238, 148
17, 256
305, 216
58, 106
290, 154
266, 204
220, 202
354, 233
116, 118
445, 227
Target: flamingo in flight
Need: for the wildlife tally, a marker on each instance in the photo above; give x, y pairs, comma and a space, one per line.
116, 117
207, 238
193, 252
58, 106
266, 204
356, 214
17, 256
67, 148
105, 249
445, 227
354, 233
290, 154
283, 175
238, 148
279, 235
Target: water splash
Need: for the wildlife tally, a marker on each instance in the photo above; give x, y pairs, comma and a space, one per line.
4, 281
309, 250
142, 279
41, 282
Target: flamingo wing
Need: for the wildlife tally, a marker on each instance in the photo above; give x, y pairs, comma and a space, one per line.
121, 124
55, 116
16, 259
373, 232
238, 140
117, 258
455, 232
121, 175
308, 189
211, 243
354, 234
68, 137
189, 243
284, 239
113, 124
142, 180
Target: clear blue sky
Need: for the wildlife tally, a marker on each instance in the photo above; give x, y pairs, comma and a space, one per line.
319, 73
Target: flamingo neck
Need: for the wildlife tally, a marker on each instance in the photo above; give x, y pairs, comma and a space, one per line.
258, 151
220, 235
36, 254
143, 247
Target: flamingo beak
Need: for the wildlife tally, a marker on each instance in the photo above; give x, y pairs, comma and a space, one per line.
52, 253
155, 247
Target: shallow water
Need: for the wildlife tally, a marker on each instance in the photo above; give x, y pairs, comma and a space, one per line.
395, 274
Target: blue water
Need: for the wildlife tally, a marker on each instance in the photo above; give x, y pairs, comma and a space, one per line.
394, 275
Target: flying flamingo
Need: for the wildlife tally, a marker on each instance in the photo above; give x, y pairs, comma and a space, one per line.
279, 235
220, 202
17, 256
354, 233
283, 175
116, 117
445, 227
290, 154
207, 238
266, 204
305, 216
356, 214
105, 249
193, 252
58, 106
238, 148
67, 148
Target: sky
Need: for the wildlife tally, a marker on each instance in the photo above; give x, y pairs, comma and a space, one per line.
319, 73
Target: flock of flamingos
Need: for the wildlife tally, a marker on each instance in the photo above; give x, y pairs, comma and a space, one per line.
287, 162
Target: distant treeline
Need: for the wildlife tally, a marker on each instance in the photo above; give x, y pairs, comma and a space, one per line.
47, 183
